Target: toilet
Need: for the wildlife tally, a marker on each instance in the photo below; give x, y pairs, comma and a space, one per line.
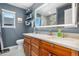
20, 43
20, 46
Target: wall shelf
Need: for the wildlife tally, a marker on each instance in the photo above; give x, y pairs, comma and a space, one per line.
28, 14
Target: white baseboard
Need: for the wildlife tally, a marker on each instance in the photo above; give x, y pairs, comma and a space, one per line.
11, 47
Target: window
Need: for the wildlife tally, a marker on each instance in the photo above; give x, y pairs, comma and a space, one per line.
37, 22
8, 19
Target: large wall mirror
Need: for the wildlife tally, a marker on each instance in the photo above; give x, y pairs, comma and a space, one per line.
55, 14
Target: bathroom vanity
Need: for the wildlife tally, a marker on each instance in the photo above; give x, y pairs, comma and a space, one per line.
50, 45
47, 45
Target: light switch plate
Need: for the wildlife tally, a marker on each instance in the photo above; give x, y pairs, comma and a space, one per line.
19, 20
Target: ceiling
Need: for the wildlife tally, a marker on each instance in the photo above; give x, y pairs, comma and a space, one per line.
49, 8
22, 5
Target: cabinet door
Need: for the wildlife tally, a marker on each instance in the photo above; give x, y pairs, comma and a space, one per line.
35, 50
44, 52
27, 48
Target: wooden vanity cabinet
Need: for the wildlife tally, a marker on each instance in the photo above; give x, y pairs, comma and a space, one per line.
37, 47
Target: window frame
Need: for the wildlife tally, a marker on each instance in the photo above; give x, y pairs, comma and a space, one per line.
14, 20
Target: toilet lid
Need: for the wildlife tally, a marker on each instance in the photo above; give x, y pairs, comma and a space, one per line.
20, 41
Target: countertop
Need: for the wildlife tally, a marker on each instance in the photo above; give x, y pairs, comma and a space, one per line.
66, 42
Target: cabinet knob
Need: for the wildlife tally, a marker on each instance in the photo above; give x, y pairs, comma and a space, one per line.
49, 54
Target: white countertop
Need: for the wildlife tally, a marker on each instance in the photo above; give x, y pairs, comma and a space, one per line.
66, 42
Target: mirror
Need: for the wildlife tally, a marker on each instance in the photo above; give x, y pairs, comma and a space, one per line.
55, 14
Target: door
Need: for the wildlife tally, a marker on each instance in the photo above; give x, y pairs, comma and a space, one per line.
9, 37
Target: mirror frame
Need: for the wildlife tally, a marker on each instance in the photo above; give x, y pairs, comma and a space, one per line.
74, 17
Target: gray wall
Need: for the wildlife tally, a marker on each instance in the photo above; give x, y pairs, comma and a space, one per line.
10, 35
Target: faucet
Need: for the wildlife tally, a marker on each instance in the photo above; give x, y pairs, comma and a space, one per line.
50, 32
34, 31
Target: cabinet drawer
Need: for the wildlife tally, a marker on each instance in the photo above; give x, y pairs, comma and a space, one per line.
46, 45
35, 41
61, 51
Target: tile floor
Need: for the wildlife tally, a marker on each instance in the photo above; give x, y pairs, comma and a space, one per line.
14, 51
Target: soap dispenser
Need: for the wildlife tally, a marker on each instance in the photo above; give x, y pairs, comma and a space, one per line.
59, 33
